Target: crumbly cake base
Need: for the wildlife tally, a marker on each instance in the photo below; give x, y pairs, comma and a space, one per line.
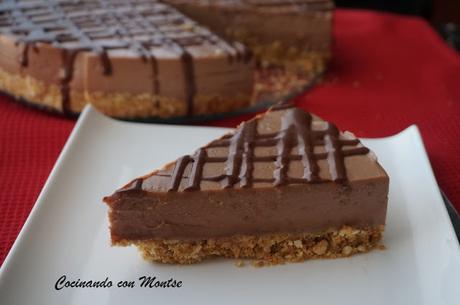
268, 249
125, 105
309, 62
35, 92
275, 84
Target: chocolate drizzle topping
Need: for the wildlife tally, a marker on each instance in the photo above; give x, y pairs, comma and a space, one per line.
142, 26
296, 132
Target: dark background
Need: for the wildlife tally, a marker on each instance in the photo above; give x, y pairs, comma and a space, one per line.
444, 15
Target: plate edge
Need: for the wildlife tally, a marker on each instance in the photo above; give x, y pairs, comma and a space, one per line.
415, 132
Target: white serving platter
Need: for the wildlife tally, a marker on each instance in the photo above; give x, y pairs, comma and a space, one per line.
67, 233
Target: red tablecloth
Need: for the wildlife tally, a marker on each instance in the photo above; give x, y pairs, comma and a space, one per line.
388, 72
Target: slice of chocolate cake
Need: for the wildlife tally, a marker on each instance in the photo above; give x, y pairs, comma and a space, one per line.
291, 40
294, 35
282, 187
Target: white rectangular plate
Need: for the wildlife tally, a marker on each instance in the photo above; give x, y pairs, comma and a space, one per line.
67, 234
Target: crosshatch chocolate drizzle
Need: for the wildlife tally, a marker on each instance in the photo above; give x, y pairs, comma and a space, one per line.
296, 131
75, 26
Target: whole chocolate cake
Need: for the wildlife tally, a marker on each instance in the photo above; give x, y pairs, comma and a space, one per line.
148, 58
